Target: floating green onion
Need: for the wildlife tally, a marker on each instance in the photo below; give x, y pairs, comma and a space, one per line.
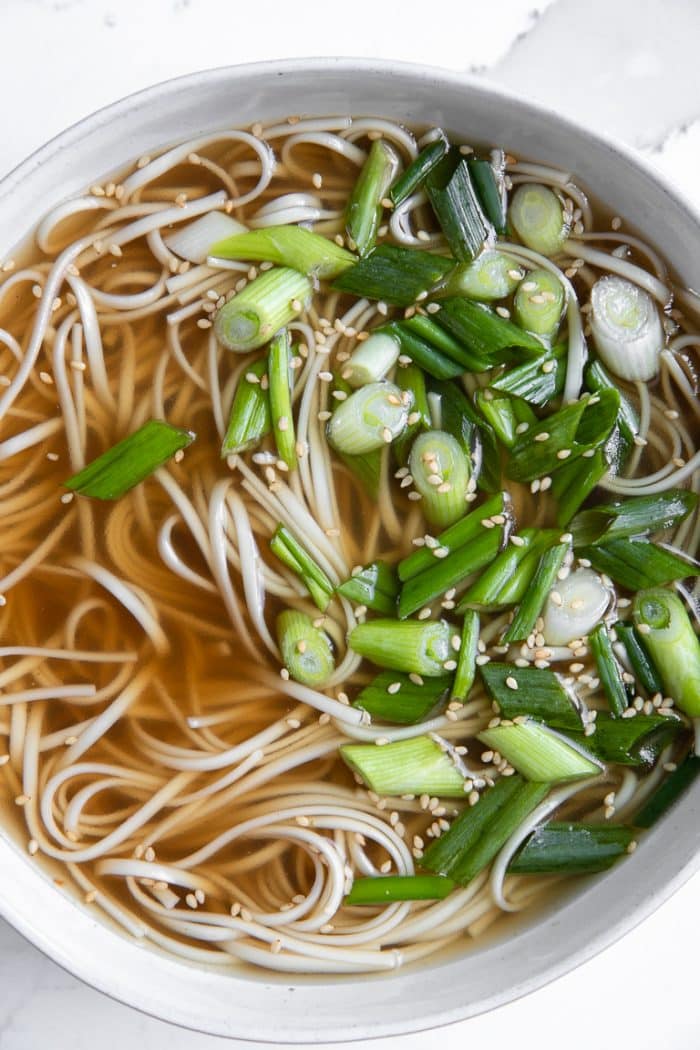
627, 423
249, 419
466, 662
422, 353
527, 612
458, 535
668, 636
306, 650
609, 670
637, 563
375, 586
264, 306
668, 792
506, 580
397, 697
291, 246
540, 753
370, 418
477, 437
368, 469
364, 210
531, 691
537, 381
279, 375
372, 359
292, 554
387, 889
626, 327
505, 414
415, 646
482, 331
574, 482
457, 207
632, 517
413, 177
449, 571
642, 667
574, 607
539, 302
634, 741
394, 274
409, 767
492, 275
441, 471
410, 378
488, 190
538, 218
130, 461
560, 848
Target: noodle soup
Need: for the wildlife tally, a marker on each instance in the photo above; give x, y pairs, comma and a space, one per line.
348, 495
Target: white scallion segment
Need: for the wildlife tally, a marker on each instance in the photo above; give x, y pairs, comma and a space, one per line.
370, 418
538, 303
540, 753
492, 275
627, 328
268, 303
192, 242
306, 650
580, 602
372, 359
538, 218
441, 471
419, 766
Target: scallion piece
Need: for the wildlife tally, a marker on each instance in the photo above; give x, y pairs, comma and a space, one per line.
268, 303
394, 274
491, 275
130, 461
291, 246
537, 381
531, 691
441, 470
560, 848
370, 418
397, 697
413, 177
627, 424
540, 753
372, 359
466, 661
458, 535
638, 563
368, 469
526, 614
282, 417
539, 302
632, 517
415, 646
477, 437
506, 580
422, 353
291, 553
574, 482
411, 379
306, 650
416, 766
642, 667
483, 332
669, 791
668, 636
626, 327
387, 889
449, 571
375, 586
488, 190
634, 741
249, 419
364, 210
457, 207
574, 606
505, 414
609, 670
538, 218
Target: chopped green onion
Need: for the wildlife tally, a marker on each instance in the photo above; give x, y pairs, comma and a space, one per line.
626, 327
540, 753
477, 437
537, 381
574, 482
527, 612
291, 553
642, 667
411, 379
565, 435
492, 275
264, 306
531, 691
449, 571
368, 469
480, 832
292, 246
249, 419
370, 418
668, 792
306, 650
609, 670
375, 586
506, 580
457, 207
574, 607
426, 327
415, 646
627, 425
422, 353
193, 242
559, 848
482, 331
364, 209
279, 375
416, 766
632, 517
466, 661
634, 741
668, 636
387, 889
538, 218
130, 461
539, 302
505, 414
488, 190
372, 359
637, 563
413, 177
397, 697
441, 471
394, 274
469, 528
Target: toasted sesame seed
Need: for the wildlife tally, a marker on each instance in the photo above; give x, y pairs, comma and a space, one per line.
644, 628
543, 436
511, 682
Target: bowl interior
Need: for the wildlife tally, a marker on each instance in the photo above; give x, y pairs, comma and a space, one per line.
286, 1009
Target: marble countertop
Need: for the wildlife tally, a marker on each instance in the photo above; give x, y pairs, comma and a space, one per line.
62, 59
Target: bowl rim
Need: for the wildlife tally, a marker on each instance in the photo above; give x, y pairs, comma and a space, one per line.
23, 916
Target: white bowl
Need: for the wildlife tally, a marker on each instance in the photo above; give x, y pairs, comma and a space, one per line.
279, 1009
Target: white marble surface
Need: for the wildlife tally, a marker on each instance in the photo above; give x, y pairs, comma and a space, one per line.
624, 66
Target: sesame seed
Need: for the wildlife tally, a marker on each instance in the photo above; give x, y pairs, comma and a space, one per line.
425, 614
517, 541
393, 688
502, 311
543, 436
511, 682
450, 665
644, 628
32, 847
